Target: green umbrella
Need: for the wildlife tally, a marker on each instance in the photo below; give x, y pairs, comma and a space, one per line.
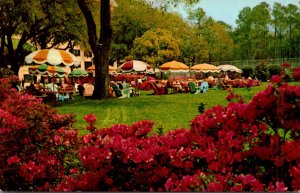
78, 73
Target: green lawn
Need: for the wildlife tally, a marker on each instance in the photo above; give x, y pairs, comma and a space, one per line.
167, 111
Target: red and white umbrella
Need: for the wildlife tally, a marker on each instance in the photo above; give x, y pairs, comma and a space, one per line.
135, 66
53, 57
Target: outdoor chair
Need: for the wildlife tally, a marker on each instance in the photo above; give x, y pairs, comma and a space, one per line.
88, 90
225, 86
192, 87
68, 92
156, 89
126, 91
53, 88
203, 87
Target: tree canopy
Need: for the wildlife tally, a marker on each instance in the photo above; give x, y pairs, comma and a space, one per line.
43, 23
156, 47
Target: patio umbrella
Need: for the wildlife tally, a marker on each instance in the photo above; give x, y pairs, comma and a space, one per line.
135, 66
52, 57
205, 68
174, 66
48, 70
78, 73
111, 69
229, 68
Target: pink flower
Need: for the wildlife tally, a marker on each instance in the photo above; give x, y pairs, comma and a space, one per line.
230, 96
90, 118
276, 79
58, 139
13, 159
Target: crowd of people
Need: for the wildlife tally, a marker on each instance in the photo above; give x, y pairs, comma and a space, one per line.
127, 85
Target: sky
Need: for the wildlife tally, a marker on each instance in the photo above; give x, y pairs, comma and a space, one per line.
228, 10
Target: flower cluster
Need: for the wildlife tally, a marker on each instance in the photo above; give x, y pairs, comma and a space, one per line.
241, 147
251, 146
296, 73
37, 145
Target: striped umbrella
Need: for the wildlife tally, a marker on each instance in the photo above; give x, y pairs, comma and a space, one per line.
205, 68
78, 73
48, 70
53, 57
174, 66
110, 68
229, 68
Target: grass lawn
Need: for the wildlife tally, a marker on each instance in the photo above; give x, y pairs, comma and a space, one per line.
169, 112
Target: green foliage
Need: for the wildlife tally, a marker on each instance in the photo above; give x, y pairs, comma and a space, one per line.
248, 71
274, 70
156, 47
194, 48
47, 23
5, 72
262, 71
265, 32
129, 21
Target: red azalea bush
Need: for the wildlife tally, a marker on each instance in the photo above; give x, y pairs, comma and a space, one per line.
240, 147
296, 74
37, 145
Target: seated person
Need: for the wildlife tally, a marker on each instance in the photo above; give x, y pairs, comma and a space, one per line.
210, 78
116, 89
120, 85
31, 89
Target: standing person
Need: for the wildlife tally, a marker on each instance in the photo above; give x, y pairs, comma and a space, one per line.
80, 89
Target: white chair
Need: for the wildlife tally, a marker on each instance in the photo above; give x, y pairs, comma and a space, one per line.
88, 90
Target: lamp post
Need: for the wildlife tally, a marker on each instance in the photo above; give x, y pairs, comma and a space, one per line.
190, 70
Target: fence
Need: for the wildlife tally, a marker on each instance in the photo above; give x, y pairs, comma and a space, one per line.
295, 62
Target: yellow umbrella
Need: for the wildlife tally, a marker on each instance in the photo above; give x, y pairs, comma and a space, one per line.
174, 66
110, 68
205, 68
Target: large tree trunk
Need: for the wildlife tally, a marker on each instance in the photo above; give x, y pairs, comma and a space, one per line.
105, 40
11, 53
2, 64
19, 53
100, 47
